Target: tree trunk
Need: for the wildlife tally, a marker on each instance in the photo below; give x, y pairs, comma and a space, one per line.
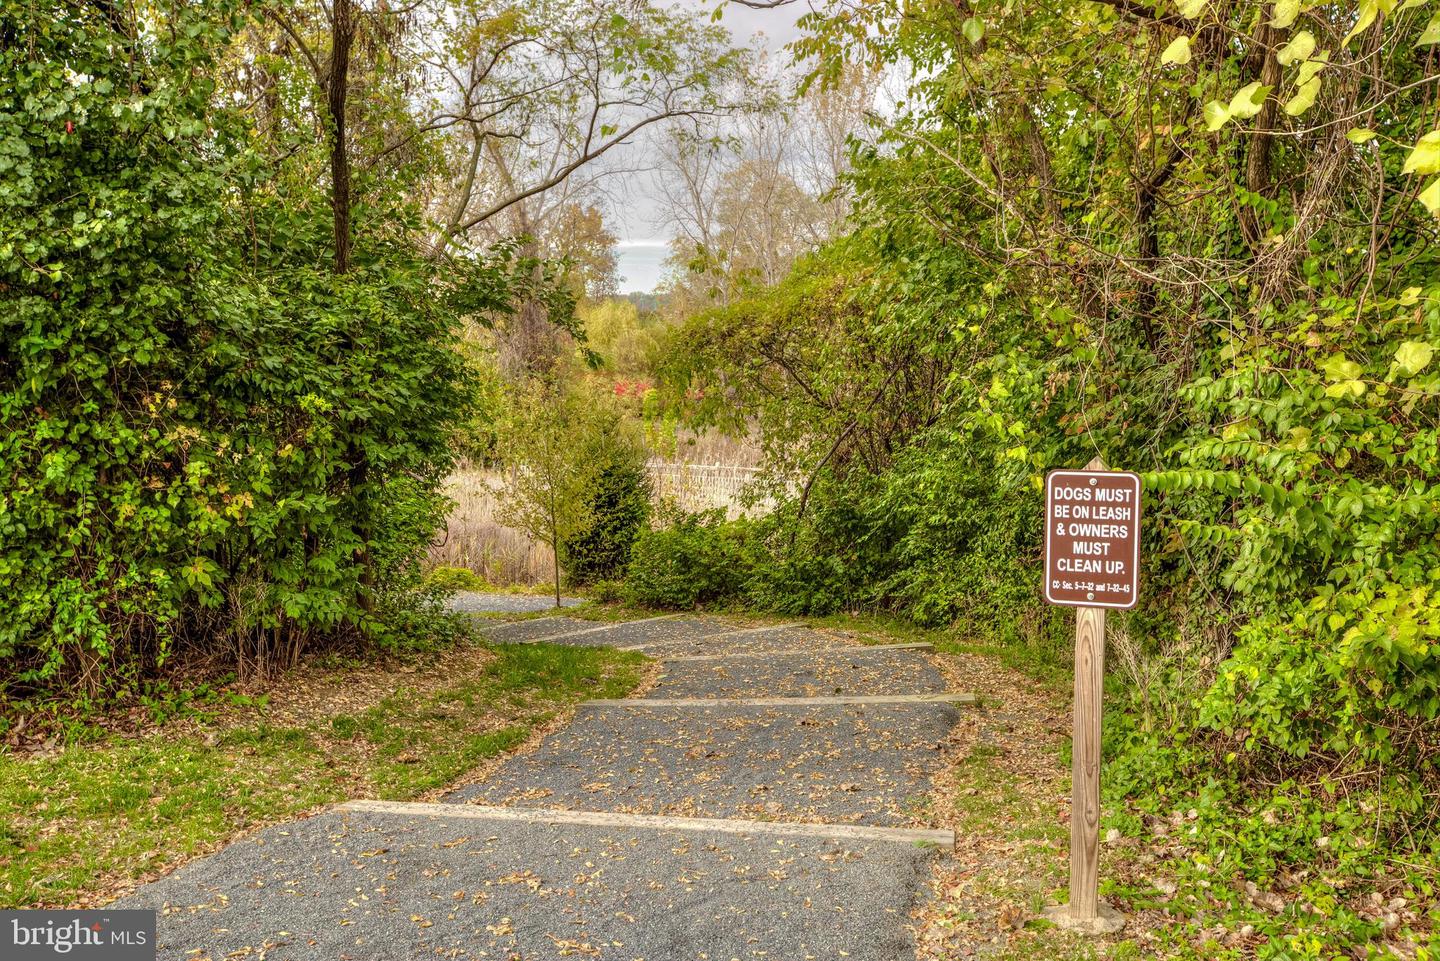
555, 555
337, 92
337, 89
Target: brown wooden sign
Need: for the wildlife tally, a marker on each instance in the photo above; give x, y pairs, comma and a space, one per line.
1092, 538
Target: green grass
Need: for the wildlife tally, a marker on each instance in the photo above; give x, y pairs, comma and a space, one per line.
75, 822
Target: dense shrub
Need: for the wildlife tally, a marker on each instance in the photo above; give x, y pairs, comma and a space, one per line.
1287, 628
448, 580
827, 561
693, 559
200, 419
619, 509
1328, 463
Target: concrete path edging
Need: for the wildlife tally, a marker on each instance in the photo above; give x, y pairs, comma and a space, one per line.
839, 832
608, 625
967, 699
726, 635
860, 649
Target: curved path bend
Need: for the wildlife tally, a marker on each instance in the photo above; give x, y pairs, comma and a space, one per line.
760, 801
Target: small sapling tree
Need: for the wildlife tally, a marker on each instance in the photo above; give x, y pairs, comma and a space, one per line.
547, 445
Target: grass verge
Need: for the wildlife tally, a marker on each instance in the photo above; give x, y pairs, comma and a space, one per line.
86, 822
1204, 866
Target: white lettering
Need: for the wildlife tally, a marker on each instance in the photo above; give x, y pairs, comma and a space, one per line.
1103, 531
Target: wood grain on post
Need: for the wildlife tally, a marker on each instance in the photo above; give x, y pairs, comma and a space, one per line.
1085, 761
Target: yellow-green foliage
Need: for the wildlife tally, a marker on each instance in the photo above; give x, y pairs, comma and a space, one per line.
616, 330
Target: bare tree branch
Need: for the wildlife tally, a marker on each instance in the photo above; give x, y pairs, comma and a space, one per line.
584, 158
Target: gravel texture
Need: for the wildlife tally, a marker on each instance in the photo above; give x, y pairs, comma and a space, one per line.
381, 887
538, 629
810, 674
776, 640
388, 886
659, 631
839, 764
475, 602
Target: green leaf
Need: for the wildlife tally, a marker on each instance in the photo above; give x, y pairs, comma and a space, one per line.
1368, 11
1191, 9
1430, 196
1285, 13
1358, 135
1340, 367
1414, 356
1299, 48
973, 29
1178, 51
1431, 35
1216, 115
1310, 68
1346, 388
1247, 100
1425, 157
1304, 98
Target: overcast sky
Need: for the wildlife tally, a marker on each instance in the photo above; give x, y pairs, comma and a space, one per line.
636, 214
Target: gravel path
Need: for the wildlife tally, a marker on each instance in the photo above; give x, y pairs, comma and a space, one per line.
536, 630
474, 602
843, 764
407, 883
378, 887
806, 674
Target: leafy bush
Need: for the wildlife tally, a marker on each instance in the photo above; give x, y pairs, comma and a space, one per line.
448, 580
607, 592
695, 559
199, 417
823, 563
618, 510
576, 477
1328, 462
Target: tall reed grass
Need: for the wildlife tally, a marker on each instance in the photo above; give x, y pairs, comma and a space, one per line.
476, 539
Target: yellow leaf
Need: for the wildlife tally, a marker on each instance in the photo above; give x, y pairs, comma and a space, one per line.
1368, 10
1425, 158
1285, 13
1299, 48
1216, 116
1247, 100
1341, 368
1178, 52
1311, 67
1304, 98
1430, 196
1346, 388
1431, 36
1414, 356
1190, 9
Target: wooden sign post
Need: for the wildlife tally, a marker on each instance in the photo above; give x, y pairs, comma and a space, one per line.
1092, 562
